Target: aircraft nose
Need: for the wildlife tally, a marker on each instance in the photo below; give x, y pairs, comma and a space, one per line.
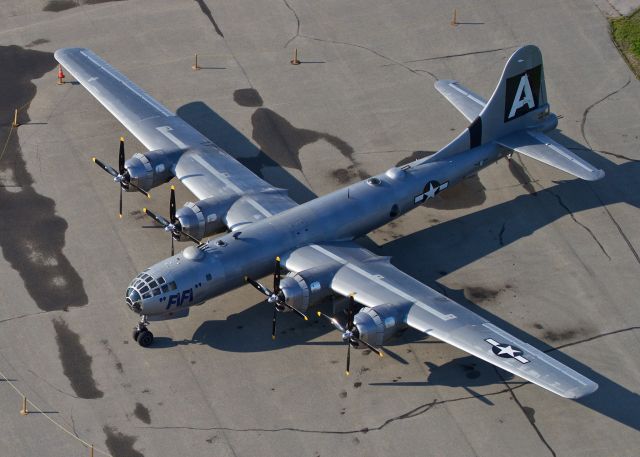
134, 301
144, 294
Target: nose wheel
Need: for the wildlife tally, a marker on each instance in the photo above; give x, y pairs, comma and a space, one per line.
141, 334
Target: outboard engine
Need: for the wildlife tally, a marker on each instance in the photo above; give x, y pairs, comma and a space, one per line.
152, 168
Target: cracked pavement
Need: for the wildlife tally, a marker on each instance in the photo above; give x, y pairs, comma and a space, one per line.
552, 260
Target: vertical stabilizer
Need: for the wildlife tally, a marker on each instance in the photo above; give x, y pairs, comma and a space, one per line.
519, 101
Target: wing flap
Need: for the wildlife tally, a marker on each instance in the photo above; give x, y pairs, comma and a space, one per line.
467, 102
540, 147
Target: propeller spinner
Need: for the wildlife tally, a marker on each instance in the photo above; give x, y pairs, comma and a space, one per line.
275, 297
172, 225
350, 333
121, 176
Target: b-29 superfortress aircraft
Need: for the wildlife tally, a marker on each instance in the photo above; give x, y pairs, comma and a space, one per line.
314, 241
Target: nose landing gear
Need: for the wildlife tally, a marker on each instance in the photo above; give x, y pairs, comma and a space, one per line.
141, 334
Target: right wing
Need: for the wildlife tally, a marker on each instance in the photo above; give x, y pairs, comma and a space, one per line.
539, 146
467, 102
376, 282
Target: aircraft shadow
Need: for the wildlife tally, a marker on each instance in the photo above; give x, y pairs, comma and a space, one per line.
250, 331
452, 244
210, 124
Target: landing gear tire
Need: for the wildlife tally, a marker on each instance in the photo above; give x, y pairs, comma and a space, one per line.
135, 334
145, 338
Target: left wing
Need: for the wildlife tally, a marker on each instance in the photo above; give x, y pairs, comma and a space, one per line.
204, 168
376, 282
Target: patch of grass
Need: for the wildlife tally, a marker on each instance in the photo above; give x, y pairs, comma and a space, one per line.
626, 34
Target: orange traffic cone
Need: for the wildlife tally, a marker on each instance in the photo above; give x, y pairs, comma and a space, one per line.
60, 75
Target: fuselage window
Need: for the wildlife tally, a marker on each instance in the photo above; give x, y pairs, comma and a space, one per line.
209, 277
172, 285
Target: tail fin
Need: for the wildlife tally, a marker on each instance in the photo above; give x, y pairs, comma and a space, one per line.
515, 116
519, 101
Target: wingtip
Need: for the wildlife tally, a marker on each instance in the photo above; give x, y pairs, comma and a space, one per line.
93, 159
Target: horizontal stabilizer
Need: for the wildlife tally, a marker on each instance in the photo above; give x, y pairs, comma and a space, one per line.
540, 147
467, 102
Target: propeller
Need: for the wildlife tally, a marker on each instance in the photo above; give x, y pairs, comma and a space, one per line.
350, 333
172, 225
121, 176
275, 297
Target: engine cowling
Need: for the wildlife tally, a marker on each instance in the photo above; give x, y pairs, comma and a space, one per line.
308, 287
205, 217
377, 325
152, 168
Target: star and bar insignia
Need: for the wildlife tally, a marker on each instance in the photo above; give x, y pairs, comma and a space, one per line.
430, 190
506, 351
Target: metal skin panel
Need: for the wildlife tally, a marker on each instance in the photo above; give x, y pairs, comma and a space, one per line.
321, 232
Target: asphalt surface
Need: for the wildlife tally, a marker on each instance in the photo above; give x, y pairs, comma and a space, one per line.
551, 259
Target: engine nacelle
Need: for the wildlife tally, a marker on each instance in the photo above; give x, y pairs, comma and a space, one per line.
205, 217
376, 325
152, 168
308, 287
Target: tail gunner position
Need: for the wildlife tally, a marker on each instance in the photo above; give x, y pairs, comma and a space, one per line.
313, 242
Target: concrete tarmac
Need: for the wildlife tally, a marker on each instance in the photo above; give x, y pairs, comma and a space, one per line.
552, 259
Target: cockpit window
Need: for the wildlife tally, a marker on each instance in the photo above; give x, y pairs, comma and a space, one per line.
144, 289
147, 295
165, 288
153, 284
160, 280
172, 285
156, 292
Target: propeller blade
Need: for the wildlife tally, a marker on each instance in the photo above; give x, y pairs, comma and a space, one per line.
276, 277
120, 213
258, 286
139, 189
299, 313
172, 205
172, 252
348, 357
121, 157
273, 326
159, 219
374, 349
195, 240
108, 168
333, 321
350, 312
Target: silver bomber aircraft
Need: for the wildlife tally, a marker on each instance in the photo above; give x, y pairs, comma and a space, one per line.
255, 223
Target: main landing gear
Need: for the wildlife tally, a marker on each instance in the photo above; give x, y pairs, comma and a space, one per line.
141, 334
